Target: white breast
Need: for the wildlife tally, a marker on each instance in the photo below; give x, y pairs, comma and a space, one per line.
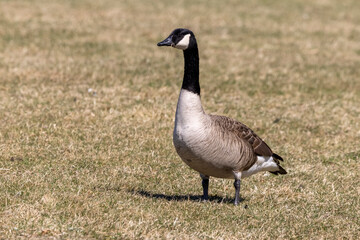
189, 110
189, 117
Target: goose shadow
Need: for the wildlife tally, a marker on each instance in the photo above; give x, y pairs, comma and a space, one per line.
181, 198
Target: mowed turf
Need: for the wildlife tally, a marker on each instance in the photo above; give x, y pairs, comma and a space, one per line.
87, 104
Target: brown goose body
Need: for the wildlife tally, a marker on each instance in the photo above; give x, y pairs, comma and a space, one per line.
213, 145
217, 146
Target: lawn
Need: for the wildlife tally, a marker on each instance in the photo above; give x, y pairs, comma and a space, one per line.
87, 105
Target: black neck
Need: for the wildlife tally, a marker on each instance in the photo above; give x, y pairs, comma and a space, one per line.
191, 72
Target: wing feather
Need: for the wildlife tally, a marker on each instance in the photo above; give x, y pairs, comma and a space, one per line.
242, 131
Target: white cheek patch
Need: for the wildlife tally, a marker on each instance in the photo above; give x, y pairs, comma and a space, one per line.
184, 43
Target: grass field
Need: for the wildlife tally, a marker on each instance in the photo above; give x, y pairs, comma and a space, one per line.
87, 104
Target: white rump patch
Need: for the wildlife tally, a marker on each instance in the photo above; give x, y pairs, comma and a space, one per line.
184, 43
262, 164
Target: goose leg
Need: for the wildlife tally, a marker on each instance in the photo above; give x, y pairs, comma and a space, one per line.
237, 176
205, 185
237, 191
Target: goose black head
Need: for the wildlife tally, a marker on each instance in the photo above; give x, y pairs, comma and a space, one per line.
180, 38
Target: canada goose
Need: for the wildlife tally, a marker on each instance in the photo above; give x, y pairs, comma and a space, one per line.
213, 145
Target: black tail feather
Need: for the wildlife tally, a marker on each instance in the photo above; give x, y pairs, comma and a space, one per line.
281, 170
277, 157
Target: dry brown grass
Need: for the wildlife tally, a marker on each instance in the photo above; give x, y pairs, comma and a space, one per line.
80, 164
